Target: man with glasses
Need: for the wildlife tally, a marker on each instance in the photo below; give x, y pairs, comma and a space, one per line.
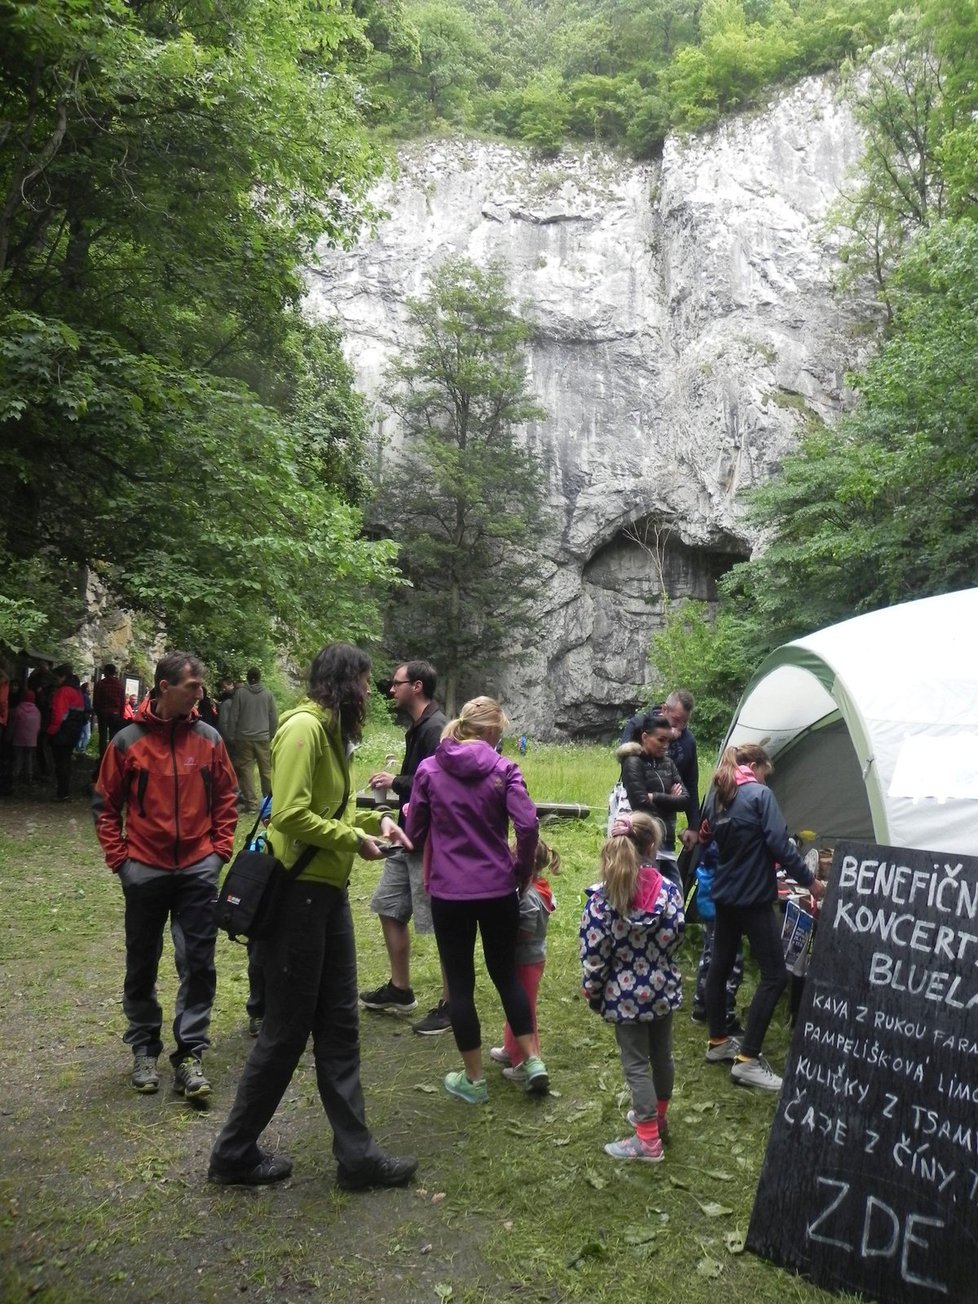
400, 893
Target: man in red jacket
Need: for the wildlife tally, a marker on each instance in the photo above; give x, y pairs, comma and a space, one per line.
165, 815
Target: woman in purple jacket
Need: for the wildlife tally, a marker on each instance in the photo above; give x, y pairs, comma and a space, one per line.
462, 802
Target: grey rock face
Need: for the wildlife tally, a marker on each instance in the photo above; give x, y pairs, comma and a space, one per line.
685, 330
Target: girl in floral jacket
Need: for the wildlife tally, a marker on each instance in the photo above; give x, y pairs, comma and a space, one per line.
631, 928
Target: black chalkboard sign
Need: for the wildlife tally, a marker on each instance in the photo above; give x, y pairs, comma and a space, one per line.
870, 1180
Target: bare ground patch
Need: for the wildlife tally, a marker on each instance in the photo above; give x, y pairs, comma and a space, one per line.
103, 1193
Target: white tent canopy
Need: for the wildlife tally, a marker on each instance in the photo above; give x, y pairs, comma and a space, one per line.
873, 726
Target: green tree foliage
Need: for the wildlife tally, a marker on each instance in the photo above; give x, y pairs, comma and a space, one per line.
900, 104
710, 657
880, 509
464, 497
190, 498
166, 416
543, 114
884, 507
430, 84
611, 70
916, 101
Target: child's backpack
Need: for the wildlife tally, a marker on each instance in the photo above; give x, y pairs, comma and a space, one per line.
704, 893
699, 898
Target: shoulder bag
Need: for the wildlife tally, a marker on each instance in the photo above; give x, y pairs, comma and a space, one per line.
248, 899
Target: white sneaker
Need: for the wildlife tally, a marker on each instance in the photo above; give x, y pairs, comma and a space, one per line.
500, 1056
515, 1074
756, 1073
728, 1049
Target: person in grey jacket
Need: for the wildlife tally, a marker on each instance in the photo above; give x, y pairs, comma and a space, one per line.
251, 722
751, 834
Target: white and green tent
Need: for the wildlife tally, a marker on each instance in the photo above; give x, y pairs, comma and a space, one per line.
873, 726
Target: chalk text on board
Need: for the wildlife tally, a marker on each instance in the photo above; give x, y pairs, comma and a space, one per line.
883, 1231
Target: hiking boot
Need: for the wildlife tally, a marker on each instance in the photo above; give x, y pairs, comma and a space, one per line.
438, 1019
474, 1093
755, 1073
500, 1056
254, 1025
698, 1014
631, 1119
633, 1147
726, 1050
385, 1170
144, 1075
516, 1073
537, 1078
270, 1168
189, 1080
389, 999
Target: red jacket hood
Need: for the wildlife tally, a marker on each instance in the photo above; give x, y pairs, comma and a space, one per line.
146, 714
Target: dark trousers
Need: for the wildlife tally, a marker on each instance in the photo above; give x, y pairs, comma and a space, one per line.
61, 756
108, 727
703, 968
497, 920
255, 1004
760, 926
310, 969
186, 898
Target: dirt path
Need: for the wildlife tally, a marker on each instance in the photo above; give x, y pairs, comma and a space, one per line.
103, 1194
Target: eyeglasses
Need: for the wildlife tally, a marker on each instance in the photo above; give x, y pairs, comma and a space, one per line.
396, 683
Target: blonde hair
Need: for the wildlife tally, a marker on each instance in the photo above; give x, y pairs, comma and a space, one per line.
623, 856
725, 776
477, 719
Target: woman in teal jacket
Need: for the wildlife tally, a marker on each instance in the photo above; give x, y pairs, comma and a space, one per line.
309, 961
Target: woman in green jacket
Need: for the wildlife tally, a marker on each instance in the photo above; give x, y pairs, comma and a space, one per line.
309, 961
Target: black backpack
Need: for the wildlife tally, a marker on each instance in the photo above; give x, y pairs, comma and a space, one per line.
70, 728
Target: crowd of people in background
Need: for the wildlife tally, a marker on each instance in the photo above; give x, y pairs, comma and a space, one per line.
44, 719
50, 717
459, 836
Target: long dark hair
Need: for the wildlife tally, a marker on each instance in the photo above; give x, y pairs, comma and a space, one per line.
336, 683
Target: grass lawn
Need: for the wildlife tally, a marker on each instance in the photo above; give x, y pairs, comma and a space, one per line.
103, 1194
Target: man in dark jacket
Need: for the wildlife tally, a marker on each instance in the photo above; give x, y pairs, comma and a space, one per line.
108, 703
164, 810
401, 893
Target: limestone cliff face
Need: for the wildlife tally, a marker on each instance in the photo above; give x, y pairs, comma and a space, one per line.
686, 328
